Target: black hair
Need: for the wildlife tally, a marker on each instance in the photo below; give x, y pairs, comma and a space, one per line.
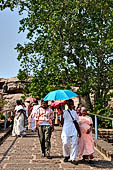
21, 101
18, 102
70, 101
79, 105
44, 101
36, 102
27, 101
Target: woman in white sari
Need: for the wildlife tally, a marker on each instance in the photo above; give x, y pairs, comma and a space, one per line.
19, 121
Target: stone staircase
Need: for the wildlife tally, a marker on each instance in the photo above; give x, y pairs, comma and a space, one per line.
106, 135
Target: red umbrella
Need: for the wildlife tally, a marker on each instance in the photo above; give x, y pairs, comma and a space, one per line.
56, 105
30, 99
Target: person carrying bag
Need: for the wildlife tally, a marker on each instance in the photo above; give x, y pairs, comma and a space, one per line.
76, 124
70, 130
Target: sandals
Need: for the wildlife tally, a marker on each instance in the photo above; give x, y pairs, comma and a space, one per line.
74, 162
66, 159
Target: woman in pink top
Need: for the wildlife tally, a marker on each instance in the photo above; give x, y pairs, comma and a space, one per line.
86, 144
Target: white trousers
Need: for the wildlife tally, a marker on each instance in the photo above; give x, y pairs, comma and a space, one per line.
70, 152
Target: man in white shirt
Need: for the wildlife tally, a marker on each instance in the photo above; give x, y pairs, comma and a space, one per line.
70, 131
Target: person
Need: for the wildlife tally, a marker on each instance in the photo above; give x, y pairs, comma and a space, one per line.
26, 116
85, 144
14, 112
19, 121
78, 109
5, 88
18, 106
57, 107
70, 131
44, 118
31, 119
52, 105
27, 105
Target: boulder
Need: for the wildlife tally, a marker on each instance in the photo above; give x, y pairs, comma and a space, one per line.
10, 100
11, 89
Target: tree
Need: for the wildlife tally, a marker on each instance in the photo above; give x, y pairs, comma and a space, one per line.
70, 44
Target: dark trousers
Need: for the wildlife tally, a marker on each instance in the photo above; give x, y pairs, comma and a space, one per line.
44, 133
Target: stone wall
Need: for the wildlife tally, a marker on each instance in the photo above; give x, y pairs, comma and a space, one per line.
106, 134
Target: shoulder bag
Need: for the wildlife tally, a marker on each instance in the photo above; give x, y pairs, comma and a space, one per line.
76, 124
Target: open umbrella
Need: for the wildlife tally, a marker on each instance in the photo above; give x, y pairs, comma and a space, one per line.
30, 99
58, 105
60, 95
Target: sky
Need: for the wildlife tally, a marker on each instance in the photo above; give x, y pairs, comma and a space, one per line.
9, 37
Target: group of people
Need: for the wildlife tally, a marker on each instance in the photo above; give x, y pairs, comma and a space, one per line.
76, 126
23, 117
79, 129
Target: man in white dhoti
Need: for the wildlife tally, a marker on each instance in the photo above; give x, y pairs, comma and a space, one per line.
69, 131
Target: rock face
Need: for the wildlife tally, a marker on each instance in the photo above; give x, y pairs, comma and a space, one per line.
11, 89
10, 100
11, 85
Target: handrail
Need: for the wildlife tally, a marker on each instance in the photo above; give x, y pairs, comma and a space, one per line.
5, 121
2, 111
109, 118
96, 122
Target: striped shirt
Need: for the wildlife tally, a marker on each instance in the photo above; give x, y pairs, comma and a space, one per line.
44, 115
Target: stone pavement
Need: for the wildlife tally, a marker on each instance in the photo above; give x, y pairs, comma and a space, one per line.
4, 133
25, 154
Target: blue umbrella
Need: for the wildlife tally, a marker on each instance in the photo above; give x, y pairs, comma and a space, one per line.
60, 95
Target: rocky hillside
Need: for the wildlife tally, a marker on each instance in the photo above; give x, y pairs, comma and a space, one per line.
11, 89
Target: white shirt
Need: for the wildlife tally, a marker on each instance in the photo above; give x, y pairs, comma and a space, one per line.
17, 108
68, 126
35, 108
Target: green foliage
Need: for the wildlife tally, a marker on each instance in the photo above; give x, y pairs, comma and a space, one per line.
104, 123
70, 44
1, 104
22, 75
23, 97
106, 112
2, 116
